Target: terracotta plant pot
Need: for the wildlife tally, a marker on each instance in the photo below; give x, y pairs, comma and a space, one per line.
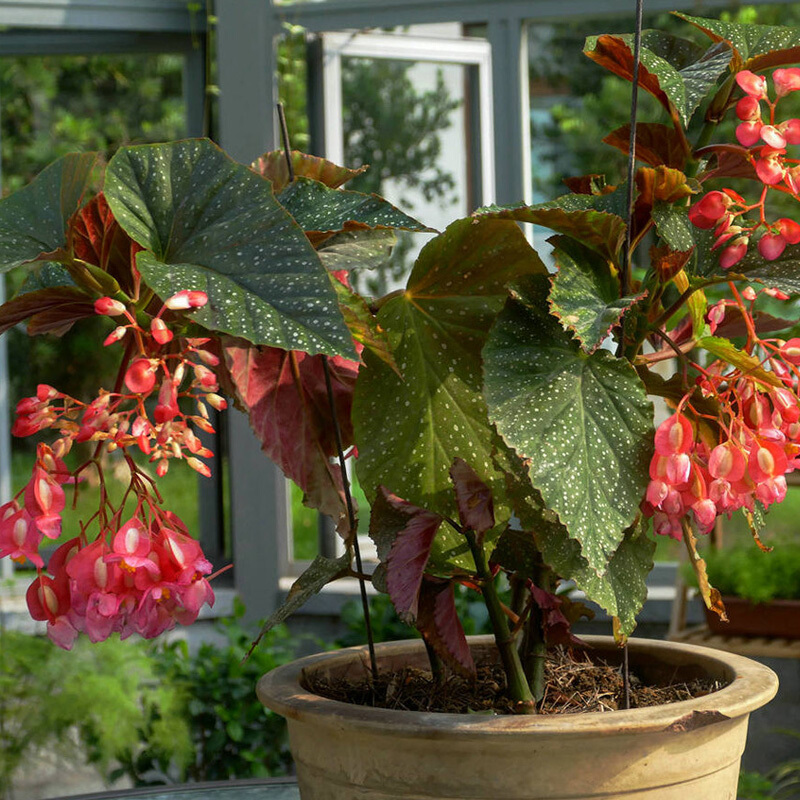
683, 751
778, 619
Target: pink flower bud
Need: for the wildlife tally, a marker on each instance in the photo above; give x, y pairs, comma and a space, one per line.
216, 402
786, 80
198, 466
790, 130
748, 109
748, 133
749, 294
734, 253
108, 307
115, 335
790, 230
752, 84
186, 299
791, 351
160, 332
771, 245
772, 137
140, 377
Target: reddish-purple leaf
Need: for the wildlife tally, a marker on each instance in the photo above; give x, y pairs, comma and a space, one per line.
284, 394
439, 623
96, 237
52, 310
556, 626
408, 557
656, 144
732, 162
474, 498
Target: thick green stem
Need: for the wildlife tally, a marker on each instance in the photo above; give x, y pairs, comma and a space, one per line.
534, 652
518, 687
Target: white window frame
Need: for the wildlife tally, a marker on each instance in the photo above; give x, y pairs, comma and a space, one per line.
463, 51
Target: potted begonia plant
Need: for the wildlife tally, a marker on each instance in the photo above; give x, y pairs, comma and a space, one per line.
500, 414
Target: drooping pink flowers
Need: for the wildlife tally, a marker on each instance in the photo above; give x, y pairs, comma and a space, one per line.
743, 455
144, 573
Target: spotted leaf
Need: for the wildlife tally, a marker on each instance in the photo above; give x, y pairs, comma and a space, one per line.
33, 221
409, 430
208, 223
755, 47
585, 294
321, 211
595, 220
621, 590
582, 421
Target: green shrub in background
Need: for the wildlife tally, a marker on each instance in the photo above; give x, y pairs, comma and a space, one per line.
232, 735
91, 704
755, 576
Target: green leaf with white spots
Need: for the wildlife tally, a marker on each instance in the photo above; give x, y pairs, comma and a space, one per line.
621, 591
209, 223
595, 220
582, 421
676, 71
783, 273
755, 47
408, 430
673, 226
33, 221
320, 210
585, 294
367, 249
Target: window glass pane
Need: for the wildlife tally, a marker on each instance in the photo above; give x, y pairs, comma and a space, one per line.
407, 121
48, 107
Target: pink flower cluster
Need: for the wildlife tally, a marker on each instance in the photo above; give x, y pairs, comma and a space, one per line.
766, 142
758, 446
148, 579
146, 574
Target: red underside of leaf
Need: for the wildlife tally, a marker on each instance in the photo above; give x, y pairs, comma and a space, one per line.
439, 623
48, 310
285, 396
96, 237
405, 565
556, 625
474, 498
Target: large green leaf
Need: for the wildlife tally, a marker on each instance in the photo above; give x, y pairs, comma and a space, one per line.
595, 220
33, 221
677, 72
408, 430
621, 590
585, 294
583, 422
755, 47
212, 224
318, 209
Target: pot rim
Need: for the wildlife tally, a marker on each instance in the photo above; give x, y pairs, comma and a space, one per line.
752, 685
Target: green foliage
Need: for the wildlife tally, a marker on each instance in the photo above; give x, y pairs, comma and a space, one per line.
754, 575
106, 692
231, 734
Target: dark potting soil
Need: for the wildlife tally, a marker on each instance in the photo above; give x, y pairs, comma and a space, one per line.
574, 684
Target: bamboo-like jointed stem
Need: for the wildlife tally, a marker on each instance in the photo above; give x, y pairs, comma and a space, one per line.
518, 687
